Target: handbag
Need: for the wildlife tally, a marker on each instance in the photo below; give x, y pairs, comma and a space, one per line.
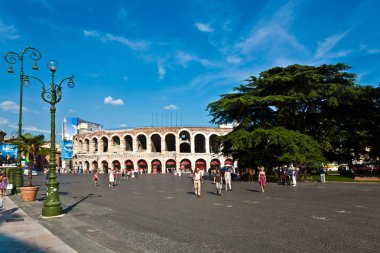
9, 186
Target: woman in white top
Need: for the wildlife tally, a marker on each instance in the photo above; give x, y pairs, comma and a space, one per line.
111, 179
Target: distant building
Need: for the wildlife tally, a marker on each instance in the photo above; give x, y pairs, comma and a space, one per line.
70, 127
150, 149
2, 135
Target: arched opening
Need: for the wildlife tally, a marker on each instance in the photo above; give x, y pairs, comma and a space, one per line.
170, 142
184, 136
228, 163
129, 165
215, 164
156, 166
200, 143
184, 148
105, 166
201, 164
170, 165
185, 165
142, 166
115, 143
105, 144
87, 145
214, 147
156, 142
116, 165
95, 143
128, 143
141, 142
86, 167
80, 146
94, 166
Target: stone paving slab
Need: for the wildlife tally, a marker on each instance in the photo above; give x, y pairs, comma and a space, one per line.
21, 233
159, 213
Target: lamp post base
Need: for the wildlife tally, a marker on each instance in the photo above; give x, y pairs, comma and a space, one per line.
51, 211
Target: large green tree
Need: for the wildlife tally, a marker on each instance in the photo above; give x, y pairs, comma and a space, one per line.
312, 112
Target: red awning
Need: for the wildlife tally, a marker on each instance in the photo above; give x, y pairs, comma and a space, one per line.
215, 162
141, 163
200, 162
229, 162
156, 162
170, 163
128, 163
185, 162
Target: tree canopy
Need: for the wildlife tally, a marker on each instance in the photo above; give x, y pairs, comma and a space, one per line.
300, 114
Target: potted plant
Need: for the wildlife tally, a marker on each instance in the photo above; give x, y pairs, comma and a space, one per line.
31, 146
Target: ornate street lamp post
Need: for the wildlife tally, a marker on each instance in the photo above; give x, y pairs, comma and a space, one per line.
13, 58
52, 94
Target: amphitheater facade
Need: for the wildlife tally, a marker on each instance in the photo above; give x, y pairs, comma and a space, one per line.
150, 149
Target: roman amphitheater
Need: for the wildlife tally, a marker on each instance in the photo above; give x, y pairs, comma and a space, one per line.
150, 149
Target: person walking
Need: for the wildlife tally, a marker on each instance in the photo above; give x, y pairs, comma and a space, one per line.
227, 178
262, 178
197, 176
4, 184
218, 182
111, 179
95, 178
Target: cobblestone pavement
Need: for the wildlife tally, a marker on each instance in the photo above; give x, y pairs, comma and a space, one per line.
160, 213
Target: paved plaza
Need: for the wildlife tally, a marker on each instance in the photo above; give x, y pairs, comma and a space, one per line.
160, 213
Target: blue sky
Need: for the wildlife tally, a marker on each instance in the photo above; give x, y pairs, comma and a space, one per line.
170, 59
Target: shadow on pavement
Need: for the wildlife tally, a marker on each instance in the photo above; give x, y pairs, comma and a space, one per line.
70, 208
252, 190
10, 245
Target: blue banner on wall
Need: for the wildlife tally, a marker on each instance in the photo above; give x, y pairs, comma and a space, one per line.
67, 150
8, 152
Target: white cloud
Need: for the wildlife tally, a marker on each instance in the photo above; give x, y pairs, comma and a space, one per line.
123, 125
110, 101
161, 70
10, 106
72, 111
7, 32
272, 31
171, 107
368, 50
135, 45
324, 47
92, 33
3, 121
234, 59
35, 129
204, 27
184, 58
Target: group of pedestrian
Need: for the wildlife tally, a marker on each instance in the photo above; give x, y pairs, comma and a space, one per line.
219, 177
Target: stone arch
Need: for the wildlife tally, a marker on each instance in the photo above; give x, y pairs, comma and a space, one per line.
185, 165
129, 165
86, 167
215, 163
141, 142
184, 135
80, 142
87, 145
228, 162
214, 147
155, 142
104, 167
142, 165
95, 144
199, 143
115, 143
156, 166
95, 166
128, 143
184, 148
170, 165
170, 142
105, 144
201, 164
116, 165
